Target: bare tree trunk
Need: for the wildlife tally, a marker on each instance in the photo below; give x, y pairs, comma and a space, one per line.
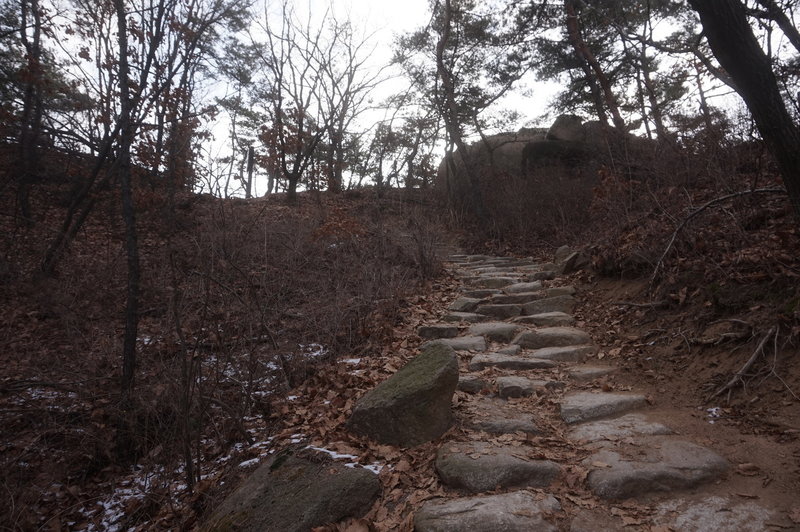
737, 50
451, 120
251, 155
586, 55
32, 106
128, 211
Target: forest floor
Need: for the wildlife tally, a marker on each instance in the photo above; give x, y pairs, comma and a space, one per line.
345, 284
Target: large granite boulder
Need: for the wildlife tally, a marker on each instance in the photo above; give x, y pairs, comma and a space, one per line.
412, 406
291, 493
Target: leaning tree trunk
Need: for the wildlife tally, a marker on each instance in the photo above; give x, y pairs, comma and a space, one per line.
737, 50
587, 58
451, 119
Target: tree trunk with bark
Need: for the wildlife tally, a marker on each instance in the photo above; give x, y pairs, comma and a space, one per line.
589, 60
451, 121
123, 165
735, 46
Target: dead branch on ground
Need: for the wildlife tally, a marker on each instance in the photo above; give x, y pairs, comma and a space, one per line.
737, 378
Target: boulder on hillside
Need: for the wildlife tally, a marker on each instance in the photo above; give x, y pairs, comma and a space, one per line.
412, 406
567, 127
293, 493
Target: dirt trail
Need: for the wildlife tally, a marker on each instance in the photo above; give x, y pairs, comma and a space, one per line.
568, 435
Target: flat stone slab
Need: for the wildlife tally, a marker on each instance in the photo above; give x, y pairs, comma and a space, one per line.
322, 491
509, 350
655, 465
589, 372
494, 282
471, 384
497, 360
496, 416
438, 330
482, 293
518, 511
479, 466
514, 386
618, 428
495, 331
564, 304
499, 311
716, 513
546, 319
575, 353
462, 343
469, 317
544, 275
464, 304
586, 406
552, 337
515, 299
518, 288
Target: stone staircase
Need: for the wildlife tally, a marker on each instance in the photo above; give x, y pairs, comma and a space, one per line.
520, 356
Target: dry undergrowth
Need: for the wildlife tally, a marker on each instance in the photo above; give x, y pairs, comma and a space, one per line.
241, 300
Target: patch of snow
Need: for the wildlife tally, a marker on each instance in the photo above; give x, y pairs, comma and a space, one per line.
333, 454
291, 398
714, 413
352, 361
249, 463
313, 350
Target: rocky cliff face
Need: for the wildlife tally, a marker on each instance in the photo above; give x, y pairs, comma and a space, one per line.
534, 170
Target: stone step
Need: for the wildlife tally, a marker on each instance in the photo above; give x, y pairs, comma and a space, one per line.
517, 362
552, 337
437, 330
480, 466
618, 428
580, 407
720, 513
655, 464
546, 319
493, 282
462, 343
544, 275
565, 304
515, 386
496, 416
481, 293
575, 353
464, 304
523, 287
495, 331
509, 350
469, 317
588, 372
471, 384
520, 298
518, 511
499, 311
